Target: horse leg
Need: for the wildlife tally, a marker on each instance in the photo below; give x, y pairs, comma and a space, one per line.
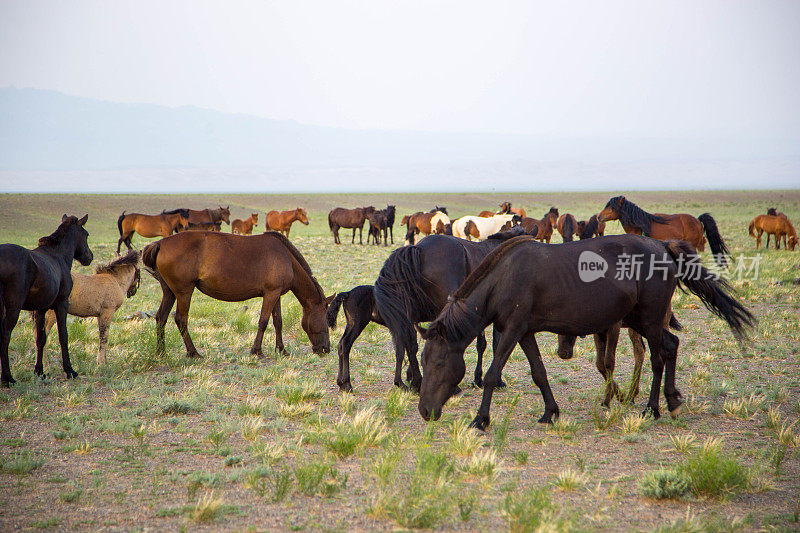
61, 323
495, 340
600, 363
609, 361
277, 323
287, 230
103, 323
270, 300
40, 330
184, 300
354, 237
413, 374
758, 238
638, 358
480, 346
167, 301
356, 322
539, 375
768, 236
7, 323
361, 234
669, 352
657, 363
504, 347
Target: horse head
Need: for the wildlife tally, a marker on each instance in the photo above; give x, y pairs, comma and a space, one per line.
135, 281
72, 231
315, 323
612, 209
225, 213
553, 214
443, 369
301, 215
505, 207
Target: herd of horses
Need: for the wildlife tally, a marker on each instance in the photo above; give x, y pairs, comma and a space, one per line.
494, 269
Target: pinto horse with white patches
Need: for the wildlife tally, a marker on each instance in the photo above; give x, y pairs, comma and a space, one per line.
480, 228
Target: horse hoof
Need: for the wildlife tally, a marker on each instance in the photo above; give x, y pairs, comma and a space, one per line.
8, 381
501, 385
401, 386
479, 423
674, 413
346, 387
477, 384
194, 355
650, 411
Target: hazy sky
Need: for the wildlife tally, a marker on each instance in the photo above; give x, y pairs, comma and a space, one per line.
675, 68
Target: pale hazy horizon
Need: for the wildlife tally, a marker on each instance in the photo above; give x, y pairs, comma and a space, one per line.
508, 95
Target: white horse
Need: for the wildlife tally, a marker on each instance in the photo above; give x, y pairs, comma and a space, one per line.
481, 227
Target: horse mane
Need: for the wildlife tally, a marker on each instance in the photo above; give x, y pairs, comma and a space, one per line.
503, 236
631, 214
457, 318
488, 264
58, 235
590, 229
299, 257
129, 259
182, 210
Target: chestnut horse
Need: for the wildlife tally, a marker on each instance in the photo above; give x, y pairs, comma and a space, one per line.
38, 280
233, 268
543, 227
664, 227
244, 227
778, 225
204, 216
149, 226
506, 208
567, 226
435, 221
282, 220
339, 217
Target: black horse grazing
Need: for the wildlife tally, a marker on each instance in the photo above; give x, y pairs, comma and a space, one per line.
38, 280
412, 287
544, 283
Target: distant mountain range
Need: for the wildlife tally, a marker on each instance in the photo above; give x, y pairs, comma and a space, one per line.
47, 137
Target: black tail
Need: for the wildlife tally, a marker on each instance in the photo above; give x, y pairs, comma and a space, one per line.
149, 257
400, 296
715, 293
333, 308
715, 242
568, 228
119, 223
590, 229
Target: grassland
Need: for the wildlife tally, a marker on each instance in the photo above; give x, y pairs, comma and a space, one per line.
231, 442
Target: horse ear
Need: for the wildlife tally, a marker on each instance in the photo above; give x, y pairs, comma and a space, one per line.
424, 333
64, 217
329, 299
84, 219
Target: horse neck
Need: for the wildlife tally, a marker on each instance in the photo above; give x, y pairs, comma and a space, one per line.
303, 287
65, 248
124, 277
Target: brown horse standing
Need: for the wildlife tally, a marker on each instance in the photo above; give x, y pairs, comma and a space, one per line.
778, 225
435, 221
282, 220
567, 226
339, 217
244, 227
149, 226
233, 269
204, 216
664, 227
506, 208
544, 227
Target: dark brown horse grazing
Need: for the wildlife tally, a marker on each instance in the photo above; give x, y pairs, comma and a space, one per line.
38, 280
549, 294
244, 227
544, 227
663, 227
204, 216
148, 226
282, 220
339, 217
412, 287
506, 208
567, 226
588, 229
777, 225
233, 268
